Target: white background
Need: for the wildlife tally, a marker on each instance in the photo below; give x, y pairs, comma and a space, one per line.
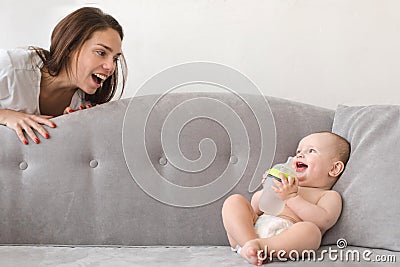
321, 52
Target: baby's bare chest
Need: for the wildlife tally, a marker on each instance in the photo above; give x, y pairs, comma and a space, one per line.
312, 195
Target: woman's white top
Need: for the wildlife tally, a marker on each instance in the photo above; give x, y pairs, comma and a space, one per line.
20, 82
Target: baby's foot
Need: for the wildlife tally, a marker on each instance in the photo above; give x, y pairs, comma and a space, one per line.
252, 251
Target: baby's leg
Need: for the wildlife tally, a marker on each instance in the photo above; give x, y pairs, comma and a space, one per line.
239, 217
300, 236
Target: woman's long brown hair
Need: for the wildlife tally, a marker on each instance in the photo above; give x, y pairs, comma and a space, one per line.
69, 35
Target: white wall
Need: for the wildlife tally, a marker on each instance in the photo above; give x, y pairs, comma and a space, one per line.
322, 52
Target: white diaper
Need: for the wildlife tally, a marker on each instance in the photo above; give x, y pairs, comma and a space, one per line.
268, 225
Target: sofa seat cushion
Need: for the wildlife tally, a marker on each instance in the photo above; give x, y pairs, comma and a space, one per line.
185, 256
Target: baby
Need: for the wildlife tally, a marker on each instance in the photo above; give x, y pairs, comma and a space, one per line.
311, 207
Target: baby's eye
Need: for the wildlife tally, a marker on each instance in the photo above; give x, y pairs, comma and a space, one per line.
297, 151
311, 150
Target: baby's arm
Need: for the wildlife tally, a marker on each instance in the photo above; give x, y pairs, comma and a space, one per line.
324, 213
255, 200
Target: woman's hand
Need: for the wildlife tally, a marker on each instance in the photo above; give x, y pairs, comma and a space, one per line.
288, 188
69, 110
20, 122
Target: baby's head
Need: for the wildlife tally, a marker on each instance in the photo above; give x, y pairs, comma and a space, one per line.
320, 159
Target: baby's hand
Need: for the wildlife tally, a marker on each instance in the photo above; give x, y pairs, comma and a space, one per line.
288, 188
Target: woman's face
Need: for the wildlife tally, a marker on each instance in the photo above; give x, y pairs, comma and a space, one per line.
96, 60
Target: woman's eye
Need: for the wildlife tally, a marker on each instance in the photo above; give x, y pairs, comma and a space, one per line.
116, 59
101, 53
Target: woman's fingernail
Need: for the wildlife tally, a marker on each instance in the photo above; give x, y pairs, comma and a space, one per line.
53, 125
46, 135
37, 140
26, 142
80, 107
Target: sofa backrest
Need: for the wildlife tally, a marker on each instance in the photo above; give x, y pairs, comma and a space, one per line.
76, 188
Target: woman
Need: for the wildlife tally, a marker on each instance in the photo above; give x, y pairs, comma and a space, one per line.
79, 70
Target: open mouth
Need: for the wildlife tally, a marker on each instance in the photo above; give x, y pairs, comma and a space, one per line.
301, 167
99, 78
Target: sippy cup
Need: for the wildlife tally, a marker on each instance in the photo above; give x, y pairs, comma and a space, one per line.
270, 202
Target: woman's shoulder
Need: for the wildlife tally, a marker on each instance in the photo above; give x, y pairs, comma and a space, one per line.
19, 58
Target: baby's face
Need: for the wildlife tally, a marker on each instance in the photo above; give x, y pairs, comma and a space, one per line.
315, 157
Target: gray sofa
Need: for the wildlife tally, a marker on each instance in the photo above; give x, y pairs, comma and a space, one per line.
73, 199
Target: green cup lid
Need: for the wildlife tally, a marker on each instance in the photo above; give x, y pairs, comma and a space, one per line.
276, 173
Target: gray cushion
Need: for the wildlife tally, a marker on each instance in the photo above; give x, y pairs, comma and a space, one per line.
370, 183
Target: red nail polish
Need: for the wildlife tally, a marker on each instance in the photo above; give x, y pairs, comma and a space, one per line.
46, 135
37, 140
53, 125
26, 142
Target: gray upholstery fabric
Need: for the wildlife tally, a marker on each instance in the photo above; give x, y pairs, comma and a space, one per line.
295, 120
22, 256
76, 189
370, 183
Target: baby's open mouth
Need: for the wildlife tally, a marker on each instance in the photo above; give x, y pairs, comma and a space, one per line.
301, 167
99, 78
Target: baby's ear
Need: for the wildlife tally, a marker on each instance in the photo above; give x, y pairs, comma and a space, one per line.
337, 169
